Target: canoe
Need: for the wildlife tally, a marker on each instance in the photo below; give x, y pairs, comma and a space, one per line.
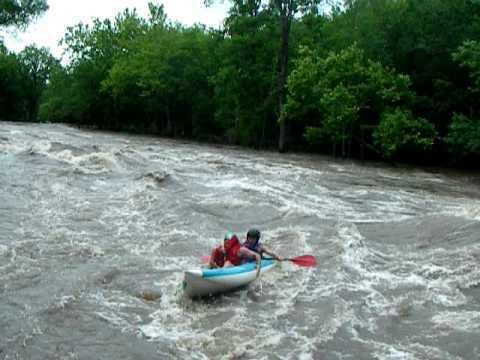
205, 282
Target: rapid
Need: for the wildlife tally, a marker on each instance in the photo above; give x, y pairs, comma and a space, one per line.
96, 229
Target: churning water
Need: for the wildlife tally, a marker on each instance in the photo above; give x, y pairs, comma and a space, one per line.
97, 228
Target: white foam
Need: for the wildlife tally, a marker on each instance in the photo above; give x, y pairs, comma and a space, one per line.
296, 238
113, 318
41, 147
375, 280
425, 351
298, 189
3, 249
225, 201
338, 168
63, 301
389, 352
165, 324
468, 321
95, 163
470, 210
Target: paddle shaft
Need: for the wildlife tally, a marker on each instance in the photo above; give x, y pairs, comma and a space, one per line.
304, 260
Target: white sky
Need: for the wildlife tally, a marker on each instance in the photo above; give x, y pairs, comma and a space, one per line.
50, 28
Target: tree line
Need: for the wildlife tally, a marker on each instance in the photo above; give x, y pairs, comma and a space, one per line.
390, 79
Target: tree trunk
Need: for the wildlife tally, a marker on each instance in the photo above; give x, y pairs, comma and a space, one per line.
285, 21
169, 122
236, 138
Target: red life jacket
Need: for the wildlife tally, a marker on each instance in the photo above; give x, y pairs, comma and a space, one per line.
232, 248
218, 256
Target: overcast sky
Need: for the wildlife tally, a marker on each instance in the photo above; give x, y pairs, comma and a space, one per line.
50, 28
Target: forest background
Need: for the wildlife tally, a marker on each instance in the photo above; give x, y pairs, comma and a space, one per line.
397, 80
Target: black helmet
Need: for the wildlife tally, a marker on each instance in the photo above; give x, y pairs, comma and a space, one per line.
254, 233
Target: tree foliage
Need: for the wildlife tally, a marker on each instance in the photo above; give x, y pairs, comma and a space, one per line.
23, 78
468, 56
244, 79
399, 131
37, 65
342, 94
366, 78
20, 12
464, 136
464, 131
11, 89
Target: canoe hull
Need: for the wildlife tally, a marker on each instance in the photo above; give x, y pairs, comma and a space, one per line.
205, 282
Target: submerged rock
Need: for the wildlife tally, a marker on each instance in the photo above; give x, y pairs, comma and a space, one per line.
149, 295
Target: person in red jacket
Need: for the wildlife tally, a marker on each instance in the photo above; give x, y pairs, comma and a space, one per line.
217, 257
233, 254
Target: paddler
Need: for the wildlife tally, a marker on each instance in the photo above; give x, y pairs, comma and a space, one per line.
232, 253
252, 243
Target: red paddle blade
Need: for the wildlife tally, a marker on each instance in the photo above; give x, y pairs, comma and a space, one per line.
205, 259
304, 260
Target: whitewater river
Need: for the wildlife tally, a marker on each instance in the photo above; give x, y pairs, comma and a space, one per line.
97, 228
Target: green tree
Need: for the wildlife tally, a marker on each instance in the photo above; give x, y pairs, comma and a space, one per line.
37, 65
20, 12
168, 75
285, 12
341, 94
416, 38
399, 131
158, 17
468, 56
93, 50
57, 98
244, 78
341, 113
11, 87
464, 137
73, 95
464, 132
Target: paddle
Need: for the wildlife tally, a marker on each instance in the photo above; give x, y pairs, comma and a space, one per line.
304, 260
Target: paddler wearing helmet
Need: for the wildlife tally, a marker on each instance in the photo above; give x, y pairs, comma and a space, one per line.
232, 253
252, 243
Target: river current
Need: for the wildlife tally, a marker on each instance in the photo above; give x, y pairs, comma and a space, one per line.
97, 228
